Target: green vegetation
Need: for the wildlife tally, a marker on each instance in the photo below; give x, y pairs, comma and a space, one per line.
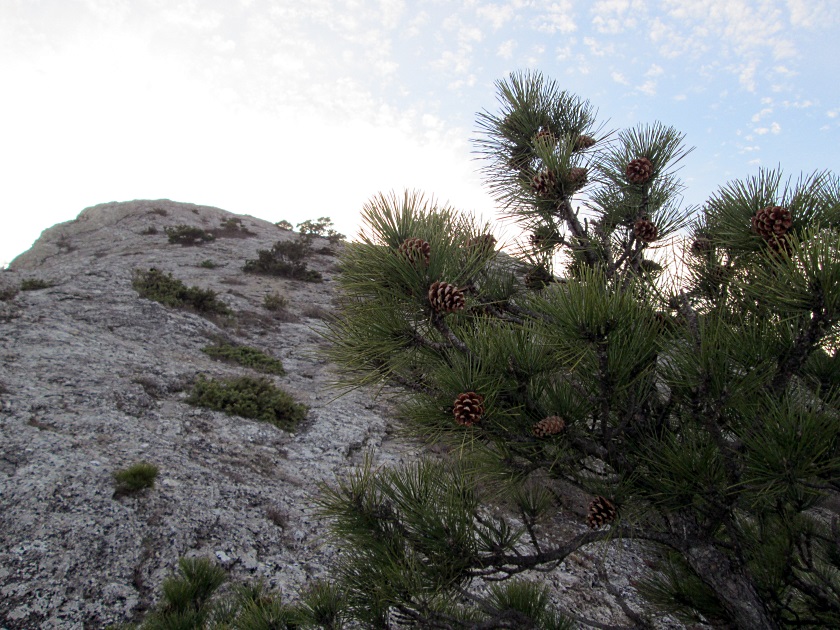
162, 287
248, 397
135, 478
284, 225
149, 231
232, 228
8, 293
695, 407
286, 259
192, 601
34, 284
207, 264
275, 302
322, 228
188, 235
245, 356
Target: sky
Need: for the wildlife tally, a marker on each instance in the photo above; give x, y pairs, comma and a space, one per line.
297, 109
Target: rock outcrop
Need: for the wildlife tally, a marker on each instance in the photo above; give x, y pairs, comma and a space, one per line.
94, 378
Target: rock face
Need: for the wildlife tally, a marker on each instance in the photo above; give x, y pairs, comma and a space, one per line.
93, 378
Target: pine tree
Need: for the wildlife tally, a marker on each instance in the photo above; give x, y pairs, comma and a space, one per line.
695, 398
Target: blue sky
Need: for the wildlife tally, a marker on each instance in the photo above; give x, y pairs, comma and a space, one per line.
293, 109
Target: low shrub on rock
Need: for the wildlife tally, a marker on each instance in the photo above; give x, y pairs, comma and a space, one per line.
245, 356
136, 477
34, 284
285, 259
188, 235
256, 398
162, 287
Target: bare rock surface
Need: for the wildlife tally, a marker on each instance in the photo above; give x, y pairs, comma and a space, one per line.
93, 378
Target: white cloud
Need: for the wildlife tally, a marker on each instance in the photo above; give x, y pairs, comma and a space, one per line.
619, 78
648, 88
814, 13
616, 16
597, 48
557, 18
505, 50
654, 71
497, 15
764, 112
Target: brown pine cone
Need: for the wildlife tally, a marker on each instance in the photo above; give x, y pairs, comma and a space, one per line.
575, 178
702, 245
445, 297
484, 243
551, 425
468, 408
543, 183
639, 170
583, 142
645, 230
545, 135
601, 512
772, 221
416, 249
537, 278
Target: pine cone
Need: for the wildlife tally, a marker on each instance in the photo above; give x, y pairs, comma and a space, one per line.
575, 178
583, 142
702, 245
445, 297
545, 135
468, 408
537, 278
544, 236
639, 170
484, 243
645, 230
601, 512
416, 249
772, 222
551, 425
543, 183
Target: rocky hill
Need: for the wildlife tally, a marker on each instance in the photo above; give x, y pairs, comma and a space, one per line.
95, 378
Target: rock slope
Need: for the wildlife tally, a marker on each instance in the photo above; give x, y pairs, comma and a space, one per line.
93, 378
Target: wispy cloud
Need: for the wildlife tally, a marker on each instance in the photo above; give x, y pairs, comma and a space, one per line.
558, 17
497, 15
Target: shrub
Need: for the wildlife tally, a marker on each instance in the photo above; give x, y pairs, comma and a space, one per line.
162, 287
284, 225
136, 477
320, 227
34, 284
232, 228
275, 302
284, 259
248, 397
245, 356
699, 416
8, 293
159, 211
188, 235
149, 231
207, 264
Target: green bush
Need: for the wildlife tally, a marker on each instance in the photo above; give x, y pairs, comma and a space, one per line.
188, 235
248, 397
275, 302
232, 228
284, 225
34, 284
136, 477
321, 227
284, 259
8, 293
246, 356
149, 231
207, 264
193, 600
162, 287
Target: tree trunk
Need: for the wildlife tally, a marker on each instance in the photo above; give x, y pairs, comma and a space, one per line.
736, 591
